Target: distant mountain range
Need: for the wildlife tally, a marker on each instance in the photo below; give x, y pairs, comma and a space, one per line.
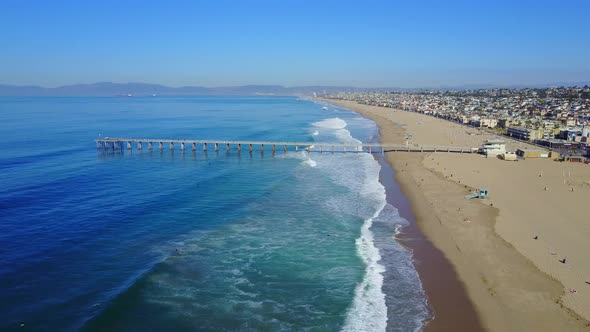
146, 89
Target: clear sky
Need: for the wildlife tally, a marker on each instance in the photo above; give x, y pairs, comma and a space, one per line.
353, 43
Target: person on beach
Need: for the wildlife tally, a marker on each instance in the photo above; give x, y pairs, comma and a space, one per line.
563, 260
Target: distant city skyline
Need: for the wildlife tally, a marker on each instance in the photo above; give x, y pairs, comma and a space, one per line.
291, 43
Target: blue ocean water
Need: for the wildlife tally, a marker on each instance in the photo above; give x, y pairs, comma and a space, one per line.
169, 240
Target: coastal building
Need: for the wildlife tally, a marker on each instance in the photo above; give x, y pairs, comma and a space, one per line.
525, 134
504, 123
575, 159
508, 156
489, 122
570, 122
532, 153
554, 143
532, 114
493, 147
484, 122
570, 133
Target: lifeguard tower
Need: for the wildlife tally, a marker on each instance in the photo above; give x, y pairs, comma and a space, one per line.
479, 193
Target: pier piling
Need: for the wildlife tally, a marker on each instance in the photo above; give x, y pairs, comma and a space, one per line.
122, 144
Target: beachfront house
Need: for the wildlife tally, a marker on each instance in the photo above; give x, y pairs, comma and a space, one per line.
493, 147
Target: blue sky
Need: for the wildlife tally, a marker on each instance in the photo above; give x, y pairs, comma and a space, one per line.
353, 43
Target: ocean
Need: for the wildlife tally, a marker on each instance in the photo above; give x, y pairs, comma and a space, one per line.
166, 240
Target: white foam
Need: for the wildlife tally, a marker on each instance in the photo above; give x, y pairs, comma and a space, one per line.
315, 133
398, 230
333, 123
365, 198
334, 128
344, 136
310, 162
301, 155
360, 174
369, 311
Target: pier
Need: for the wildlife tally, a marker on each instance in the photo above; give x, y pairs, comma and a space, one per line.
250, 146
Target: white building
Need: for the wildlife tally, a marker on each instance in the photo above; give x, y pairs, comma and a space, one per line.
489, 122
508, 156
493, 147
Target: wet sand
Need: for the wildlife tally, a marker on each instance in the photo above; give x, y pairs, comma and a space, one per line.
451, 308
514, 282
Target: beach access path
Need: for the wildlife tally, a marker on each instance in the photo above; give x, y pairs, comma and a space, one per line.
516, 282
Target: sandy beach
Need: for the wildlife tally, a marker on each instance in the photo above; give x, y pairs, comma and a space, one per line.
506, 249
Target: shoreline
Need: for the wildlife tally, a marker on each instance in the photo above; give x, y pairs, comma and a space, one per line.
506, 289
447, 300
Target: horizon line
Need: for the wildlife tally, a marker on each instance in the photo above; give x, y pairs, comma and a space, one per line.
466, 86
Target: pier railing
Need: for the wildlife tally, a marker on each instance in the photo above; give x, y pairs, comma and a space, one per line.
109, 143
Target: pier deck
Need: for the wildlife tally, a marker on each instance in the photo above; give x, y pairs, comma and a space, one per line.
110, 143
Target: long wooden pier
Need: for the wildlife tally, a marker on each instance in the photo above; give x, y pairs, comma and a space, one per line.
109, 143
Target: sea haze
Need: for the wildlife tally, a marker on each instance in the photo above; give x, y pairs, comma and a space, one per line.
185, 241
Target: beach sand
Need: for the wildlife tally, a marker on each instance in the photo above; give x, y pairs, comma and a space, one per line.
515, 282
446, 293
